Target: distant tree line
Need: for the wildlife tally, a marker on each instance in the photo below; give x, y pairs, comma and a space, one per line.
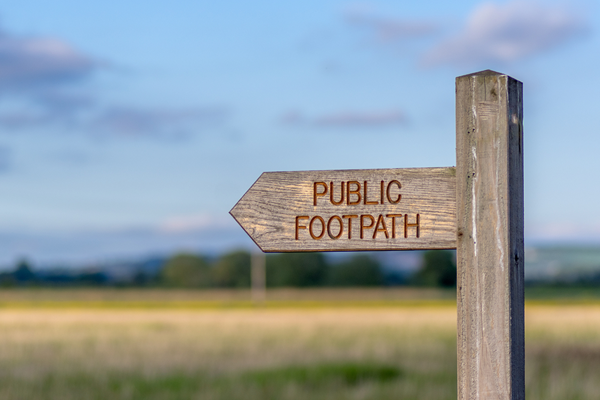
25, 275
233, 270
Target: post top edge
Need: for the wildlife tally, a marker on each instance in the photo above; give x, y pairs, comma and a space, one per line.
487, 72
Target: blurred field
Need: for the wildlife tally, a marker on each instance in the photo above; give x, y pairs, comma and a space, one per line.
348, 344
220, 298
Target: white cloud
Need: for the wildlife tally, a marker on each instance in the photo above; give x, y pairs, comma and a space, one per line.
360, 119
194, 222
129, 121
349, 119
387, 29
503, 33
563, 232
79, 114
36, 75
30, 62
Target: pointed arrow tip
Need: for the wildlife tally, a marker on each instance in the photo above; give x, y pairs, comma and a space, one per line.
233, 213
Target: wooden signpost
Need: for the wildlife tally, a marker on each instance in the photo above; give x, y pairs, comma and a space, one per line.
476, 208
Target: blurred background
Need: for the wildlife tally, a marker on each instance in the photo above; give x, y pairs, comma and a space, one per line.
128, 130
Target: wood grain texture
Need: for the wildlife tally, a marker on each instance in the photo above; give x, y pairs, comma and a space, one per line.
489, 135
268, 211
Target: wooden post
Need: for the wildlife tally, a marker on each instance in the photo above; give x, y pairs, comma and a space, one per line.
258, 277
489, 173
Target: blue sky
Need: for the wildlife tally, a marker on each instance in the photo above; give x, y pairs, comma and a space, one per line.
132, 128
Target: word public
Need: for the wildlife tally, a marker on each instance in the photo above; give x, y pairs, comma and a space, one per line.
350, 193
354, 193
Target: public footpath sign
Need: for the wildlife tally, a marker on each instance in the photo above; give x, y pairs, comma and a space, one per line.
476, 208
379, 209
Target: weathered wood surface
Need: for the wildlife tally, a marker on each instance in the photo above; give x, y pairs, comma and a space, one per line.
280, 215
489, 135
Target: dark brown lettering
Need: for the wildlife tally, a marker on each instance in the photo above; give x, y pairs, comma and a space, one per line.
362, 223
298, 226
310, 227
388, 192
350, 217
380, 227
367, 202
407, 225
340, 222
316, 194
342, 194
354, 191
394, 216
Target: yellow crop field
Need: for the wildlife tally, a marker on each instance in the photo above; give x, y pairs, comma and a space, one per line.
393, 350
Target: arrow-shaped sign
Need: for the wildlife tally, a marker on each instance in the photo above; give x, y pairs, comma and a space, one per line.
351, 210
